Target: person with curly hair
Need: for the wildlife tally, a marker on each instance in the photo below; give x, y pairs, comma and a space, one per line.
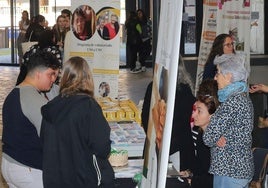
22, 150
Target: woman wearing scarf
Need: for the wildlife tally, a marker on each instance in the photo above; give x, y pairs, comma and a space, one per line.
232, 165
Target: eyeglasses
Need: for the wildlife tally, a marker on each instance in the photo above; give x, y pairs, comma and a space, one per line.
229, 45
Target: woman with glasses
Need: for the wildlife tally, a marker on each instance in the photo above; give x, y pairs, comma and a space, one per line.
231, 165
223, 44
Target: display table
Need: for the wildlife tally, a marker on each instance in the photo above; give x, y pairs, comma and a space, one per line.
119, 110
133, 167
124, 119
128, 136
124, 176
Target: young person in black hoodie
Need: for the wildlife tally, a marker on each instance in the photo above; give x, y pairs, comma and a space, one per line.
75, 134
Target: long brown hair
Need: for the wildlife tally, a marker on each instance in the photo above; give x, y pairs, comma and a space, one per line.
76, 78
217, 47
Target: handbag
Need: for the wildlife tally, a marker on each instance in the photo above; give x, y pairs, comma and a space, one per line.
255, 184
260, 156
27, 45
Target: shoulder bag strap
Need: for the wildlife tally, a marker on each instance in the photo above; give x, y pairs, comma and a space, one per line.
264, 167
30, 36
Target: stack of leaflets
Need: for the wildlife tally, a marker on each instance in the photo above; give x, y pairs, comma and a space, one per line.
128, 136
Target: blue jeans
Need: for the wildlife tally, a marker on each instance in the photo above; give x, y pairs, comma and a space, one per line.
225, 181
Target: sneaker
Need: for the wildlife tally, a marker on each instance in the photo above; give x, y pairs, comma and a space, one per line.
134, 71
143, 69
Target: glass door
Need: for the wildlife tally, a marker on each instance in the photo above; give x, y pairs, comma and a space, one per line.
10, 13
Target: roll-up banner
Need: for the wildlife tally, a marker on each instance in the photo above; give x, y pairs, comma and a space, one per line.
95, 36
221, 16
163, 95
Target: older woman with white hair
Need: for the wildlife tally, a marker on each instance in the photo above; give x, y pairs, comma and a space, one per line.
232, 165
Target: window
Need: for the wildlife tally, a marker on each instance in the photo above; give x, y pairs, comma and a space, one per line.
189, 27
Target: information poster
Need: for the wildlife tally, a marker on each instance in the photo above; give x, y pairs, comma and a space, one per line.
208, 35
163, 95
232, 17
95, 36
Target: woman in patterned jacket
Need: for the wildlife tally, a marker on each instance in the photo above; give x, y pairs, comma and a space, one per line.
231, 165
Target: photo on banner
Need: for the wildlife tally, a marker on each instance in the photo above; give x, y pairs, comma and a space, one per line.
95, 36
157, 146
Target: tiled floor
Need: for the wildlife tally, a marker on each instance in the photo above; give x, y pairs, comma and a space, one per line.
132, 86
8, 77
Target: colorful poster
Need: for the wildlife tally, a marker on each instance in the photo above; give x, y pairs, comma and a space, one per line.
231, 17
208, 36
95, 36
163, 95
257, 27
234, 17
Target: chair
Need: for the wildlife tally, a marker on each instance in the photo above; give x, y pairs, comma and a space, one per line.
260, 157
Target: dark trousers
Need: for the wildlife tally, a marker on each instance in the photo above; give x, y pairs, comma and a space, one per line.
132, 50
144, 51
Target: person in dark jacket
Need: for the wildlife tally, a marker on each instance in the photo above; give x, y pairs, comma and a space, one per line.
74, 133
102, 29
206, 104
133, 30
22, 151
146, 37
37, 26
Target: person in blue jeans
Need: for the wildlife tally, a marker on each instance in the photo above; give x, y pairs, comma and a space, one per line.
232, 165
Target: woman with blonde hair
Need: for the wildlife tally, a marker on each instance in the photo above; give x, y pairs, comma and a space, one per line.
75, 134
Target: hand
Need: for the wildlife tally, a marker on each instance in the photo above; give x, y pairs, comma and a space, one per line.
258, 88
221, 142
185, 174
60, 44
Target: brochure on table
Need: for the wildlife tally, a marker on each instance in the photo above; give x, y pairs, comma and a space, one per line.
128, 136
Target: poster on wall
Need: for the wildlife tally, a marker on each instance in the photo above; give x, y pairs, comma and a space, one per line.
95, 36
257, 27
163, 95
233, 17
207, 37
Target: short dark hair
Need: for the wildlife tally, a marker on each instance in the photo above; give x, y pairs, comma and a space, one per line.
66, 11
46, 38
39, 18
207, 94
41, 58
